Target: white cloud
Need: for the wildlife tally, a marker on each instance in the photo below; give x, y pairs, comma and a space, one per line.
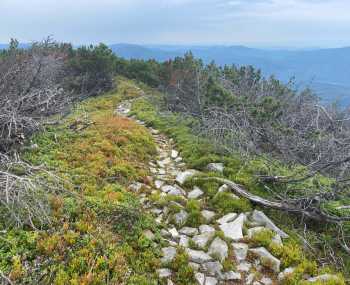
275, 22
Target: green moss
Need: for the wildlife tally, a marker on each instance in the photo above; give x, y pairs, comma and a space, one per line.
184, 274
193, 209
224, 203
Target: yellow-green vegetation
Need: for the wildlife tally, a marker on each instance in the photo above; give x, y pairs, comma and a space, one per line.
198, 152
95, 235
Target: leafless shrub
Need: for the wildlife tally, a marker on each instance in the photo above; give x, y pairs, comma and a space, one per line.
30, 89
26, 192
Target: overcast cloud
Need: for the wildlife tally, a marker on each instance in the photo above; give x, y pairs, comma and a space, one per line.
250, 22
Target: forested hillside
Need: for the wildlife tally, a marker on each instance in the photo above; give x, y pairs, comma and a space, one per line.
116, 171
324, 70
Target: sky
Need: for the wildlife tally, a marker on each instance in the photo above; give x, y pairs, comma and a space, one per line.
256, 23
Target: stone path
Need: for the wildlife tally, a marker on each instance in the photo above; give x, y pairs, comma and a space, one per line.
206, 248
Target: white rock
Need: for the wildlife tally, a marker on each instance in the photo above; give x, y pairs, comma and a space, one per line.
250, 278
206, 229
244, 267
149, 234
174, 233
231, 275
177, 192
194, 266
277, 240
167, 188
212, 268
161, 171
227, 218
195, 193
163, 163
198, 256
218, 167
189, 231
218, 248
240, 251
164, 233
261, 218
208, 215
233, 230
184, 241
174, 154
200, 278
323, 278
223, 188
285, 273
136, 187
180, 218
170, 282
178, 159
267, 259
183, 176
211, 281
159, 219
164, 273
202, 240
169, 254
253, 231
266, 281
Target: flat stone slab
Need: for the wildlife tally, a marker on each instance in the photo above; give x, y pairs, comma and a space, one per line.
195, 193
202, 240
233, 230
198, 256
208, 215
169, 254
240, 251
212, 268
227, 218
206, 229
189, 231
180, 218
231, 275
211, 281
218, 249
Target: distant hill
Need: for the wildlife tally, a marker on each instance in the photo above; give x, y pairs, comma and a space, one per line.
326, 71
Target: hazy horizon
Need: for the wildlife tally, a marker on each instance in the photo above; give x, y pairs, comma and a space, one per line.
255, 23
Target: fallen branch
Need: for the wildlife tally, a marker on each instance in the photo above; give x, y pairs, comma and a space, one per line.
309, 207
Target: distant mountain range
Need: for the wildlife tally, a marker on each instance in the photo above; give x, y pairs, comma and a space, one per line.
326, 71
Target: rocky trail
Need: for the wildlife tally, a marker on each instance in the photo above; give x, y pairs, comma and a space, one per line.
206, 248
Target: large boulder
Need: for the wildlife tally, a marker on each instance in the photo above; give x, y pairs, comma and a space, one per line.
233, 230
